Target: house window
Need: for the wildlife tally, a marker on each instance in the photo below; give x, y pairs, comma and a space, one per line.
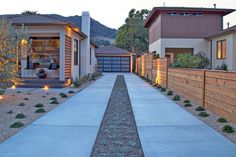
44, 53
90, 56
221, 49
76, 52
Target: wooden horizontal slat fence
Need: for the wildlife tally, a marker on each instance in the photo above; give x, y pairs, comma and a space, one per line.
215, 90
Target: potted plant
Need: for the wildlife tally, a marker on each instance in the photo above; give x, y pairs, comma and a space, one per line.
42, 73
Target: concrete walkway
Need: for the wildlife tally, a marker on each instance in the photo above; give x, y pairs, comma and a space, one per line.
69, 130
167, 130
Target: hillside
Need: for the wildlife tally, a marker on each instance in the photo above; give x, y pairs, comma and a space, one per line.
101, 34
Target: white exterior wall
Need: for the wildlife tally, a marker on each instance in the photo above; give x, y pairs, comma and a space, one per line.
198, 45
230, 51
93, 65
85, 44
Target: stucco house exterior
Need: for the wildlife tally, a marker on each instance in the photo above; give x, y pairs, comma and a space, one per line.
223, 48
63, 50
175, 30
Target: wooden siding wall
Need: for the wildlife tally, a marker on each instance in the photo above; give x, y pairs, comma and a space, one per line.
68, 49
187, 82
220, 93
148, 65
215, 90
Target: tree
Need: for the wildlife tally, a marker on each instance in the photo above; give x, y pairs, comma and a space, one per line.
132, 35
29, 12
11, 40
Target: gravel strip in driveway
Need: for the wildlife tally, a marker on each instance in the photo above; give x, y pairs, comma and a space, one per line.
118, 134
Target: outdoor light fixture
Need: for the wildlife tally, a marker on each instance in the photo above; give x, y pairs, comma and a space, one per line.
13, 87
45, 88
1, 97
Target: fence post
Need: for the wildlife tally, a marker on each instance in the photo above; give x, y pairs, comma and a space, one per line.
204, 86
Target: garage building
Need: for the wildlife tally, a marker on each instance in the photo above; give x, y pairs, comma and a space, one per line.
114, 59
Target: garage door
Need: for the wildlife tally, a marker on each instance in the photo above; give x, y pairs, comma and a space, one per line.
113, 64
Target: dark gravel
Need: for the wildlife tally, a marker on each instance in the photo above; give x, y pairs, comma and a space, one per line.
118, 136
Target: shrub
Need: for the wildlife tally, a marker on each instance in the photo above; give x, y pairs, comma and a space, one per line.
18, 92
17, 125
40, 110
44, 96
2, 92
158, 86
39, 105
163, 89
28, 93
26, 98
10, 112
187, 105
77, 82
21, 104
53, 98
223, 66
64, 96
186, 60
203, 114
176, 98
199, 108
228, 129
222, 120
54, 102
61, 94
187, 101
71, 92
170, 92
20, 116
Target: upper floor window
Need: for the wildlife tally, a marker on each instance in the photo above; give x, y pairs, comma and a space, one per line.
221, 49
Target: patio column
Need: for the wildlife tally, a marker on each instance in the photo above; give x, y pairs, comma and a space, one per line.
62, 57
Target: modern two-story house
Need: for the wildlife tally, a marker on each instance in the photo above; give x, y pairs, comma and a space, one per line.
60, 48
175, 30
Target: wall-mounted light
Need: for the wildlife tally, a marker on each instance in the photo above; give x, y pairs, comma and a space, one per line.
13, 87
46, 88
1, 97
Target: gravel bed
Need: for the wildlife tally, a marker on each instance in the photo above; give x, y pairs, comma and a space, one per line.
9, 106
211, 120
118, 134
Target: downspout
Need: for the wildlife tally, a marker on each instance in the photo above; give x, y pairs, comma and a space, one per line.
211, 54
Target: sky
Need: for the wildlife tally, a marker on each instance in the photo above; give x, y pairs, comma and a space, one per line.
111, 13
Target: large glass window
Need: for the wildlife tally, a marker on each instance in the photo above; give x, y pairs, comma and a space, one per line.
76, 51
221, 49
44, 53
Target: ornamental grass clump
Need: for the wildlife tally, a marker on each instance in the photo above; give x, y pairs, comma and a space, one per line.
222, 120
21, 104
39, 105
16, 125
20, 116
203, 114
40, 110
176, 98
199, 108
54, 102
163, 89
170, 92
228, 129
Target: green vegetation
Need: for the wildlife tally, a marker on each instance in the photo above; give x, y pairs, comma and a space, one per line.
2, 92
71, 92
222, 120
187, 60
20, 116
228, 129
64, 96
188, 105
176, 98
163, 89
28, 93
54, 98
17, 125
18, 92
170, 92
26, 98
39, 105
54, 102
203, 114
158, 86
132, 35
11, 38
40, 110
187, 101
223, 66
21, 104
10, 112
199, 108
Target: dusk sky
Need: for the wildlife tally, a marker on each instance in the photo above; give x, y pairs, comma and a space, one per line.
111, 13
